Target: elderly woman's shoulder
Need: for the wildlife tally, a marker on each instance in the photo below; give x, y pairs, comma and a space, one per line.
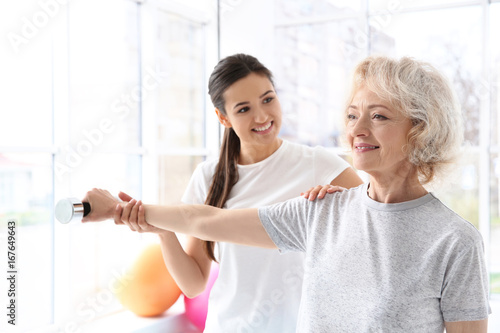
455, 224
350, 195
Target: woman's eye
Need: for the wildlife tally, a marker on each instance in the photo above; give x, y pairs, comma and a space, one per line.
379, 116
267, 100
245, 109
351, 116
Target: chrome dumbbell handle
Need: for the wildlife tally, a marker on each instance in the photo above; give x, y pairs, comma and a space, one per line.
71, 209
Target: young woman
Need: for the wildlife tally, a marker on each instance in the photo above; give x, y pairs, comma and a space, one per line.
257, 290
386, 256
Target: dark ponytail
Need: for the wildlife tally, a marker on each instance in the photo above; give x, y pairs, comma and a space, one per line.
228, 71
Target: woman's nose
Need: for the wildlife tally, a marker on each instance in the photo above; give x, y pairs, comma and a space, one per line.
260, 115
360, 128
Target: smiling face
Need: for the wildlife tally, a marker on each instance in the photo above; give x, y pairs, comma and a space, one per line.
253, 111
377, 134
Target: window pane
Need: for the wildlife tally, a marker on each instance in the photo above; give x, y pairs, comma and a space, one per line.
311, 79
104, 74
181, 98
26, 196
112, 171
495, 74
391, 6
459, 190
495, 224
26, 80
450, 40
286, 9
495, 158
100, 251
175, 173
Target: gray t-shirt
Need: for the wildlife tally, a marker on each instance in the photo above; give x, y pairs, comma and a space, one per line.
374, 267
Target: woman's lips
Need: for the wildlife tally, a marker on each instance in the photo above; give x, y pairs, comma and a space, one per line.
264, 129
365, 147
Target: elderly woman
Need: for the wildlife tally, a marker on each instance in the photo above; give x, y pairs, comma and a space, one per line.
386, 256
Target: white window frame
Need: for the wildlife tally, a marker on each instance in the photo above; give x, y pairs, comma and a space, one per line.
60, 303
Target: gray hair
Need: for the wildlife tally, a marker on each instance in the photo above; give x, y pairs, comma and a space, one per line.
425, 96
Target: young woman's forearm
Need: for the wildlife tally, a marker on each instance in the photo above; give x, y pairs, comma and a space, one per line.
241, 226
186, 271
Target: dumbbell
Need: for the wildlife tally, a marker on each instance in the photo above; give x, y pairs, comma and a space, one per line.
71, 210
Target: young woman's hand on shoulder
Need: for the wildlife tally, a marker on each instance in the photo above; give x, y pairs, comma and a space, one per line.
320, 191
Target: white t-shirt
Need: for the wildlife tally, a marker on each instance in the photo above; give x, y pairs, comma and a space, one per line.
375, 267
258, 290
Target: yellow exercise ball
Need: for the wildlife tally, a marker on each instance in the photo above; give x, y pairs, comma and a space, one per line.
148, 289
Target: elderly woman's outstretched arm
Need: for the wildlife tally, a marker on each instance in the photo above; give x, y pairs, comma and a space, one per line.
241, 226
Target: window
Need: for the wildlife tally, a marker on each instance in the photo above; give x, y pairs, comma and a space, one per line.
181, 115
313, 77
99, 147
320, 66
99, 94
26, 156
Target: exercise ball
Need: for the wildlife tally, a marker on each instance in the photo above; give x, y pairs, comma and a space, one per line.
148, 289
197, 307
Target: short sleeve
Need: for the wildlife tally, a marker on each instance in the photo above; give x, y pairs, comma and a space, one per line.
287, 224
197, 189
465, 291
327, 165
